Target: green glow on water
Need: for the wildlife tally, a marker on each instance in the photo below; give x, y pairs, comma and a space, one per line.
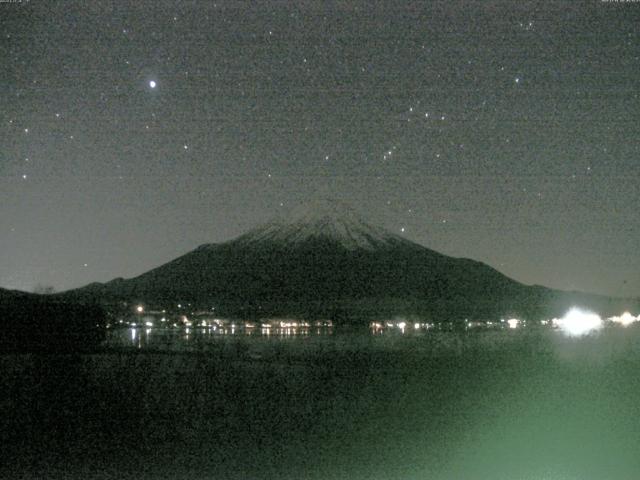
514, 404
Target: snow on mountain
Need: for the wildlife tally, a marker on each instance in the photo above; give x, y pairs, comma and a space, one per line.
324, 261
323, 220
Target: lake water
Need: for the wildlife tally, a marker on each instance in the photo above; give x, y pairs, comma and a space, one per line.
509, 404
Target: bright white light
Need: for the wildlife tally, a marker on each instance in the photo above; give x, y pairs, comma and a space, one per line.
401, 325
577, 322
513, 322
139, 309
152, 84
149, 324
625, 319
416, 326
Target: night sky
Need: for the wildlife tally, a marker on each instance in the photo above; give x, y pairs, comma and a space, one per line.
507, 132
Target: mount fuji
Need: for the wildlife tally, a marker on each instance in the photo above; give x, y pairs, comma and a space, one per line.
325, 261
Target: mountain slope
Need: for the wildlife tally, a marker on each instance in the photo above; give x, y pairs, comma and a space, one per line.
325, 261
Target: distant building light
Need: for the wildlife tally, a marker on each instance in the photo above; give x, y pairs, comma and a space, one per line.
577, 322
625, 319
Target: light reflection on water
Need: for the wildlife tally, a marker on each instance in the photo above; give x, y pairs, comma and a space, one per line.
187, 338
478, 404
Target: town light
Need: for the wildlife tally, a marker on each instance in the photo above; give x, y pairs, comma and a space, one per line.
513, 322
577, 322
625, 319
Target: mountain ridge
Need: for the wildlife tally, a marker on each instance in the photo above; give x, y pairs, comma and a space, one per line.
324, 260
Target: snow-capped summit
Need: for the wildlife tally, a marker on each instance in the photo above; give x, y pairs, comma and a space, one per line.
323, 261
323, 219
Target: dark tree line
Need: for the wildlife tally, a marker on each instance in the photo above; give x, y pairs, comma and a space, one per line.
38, 323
